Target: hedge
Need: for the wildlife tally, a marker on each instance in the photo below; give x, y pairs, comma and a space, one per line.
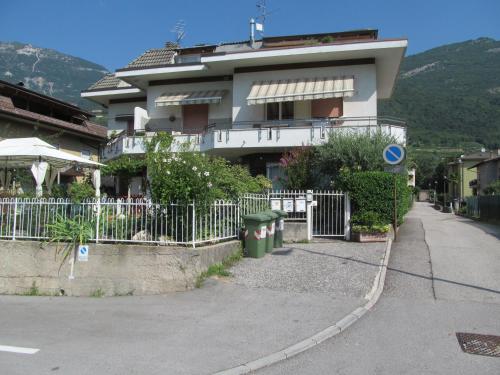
373, 191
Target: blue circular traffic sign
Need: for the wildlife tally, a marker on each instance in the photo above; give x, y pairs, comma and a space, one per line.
394, 154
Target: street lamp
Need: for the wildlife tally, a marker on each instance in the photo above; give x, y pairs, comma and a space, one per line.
435, 191
444, 187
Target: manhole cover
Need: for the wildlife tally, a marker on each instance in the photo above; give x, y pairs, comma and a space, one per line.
479, 344
282, 252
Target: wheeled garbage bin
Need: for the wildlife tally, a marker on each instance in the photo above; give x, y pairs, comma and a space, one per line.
280, 227
256, 234
271, 228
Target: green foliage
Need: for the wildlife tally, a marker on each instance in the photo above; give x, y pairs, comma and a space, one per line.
219, 269
297, 164
493, 188
33, 291
124, 166
68, 233
373, 192
352, 152
369, 222
98, 293
449, 95
79, 191
188, 175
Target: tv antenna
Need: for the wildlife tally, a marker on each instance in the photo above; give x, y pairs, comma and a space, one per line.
179, 31
263, 13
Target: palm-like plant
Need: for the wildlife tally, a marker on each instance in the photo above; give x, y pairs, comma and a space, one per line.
69, 233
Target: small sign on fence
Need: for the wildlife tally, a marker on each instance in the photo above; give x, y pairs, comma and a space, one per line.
83, 253
275, 204
288, 205
300, 205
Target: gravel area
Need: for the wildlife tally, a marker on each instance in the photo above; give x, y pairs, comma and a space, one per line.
343, 269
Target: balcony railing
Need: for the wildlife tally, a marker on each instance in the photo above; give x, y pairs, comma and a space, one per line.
263, 135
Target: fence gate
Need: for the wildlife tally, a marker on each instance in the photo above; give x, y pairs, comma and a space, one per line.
330, 215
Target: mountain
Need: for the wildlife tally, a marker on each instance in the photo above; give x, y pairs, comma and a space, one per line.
49, 72
450, 95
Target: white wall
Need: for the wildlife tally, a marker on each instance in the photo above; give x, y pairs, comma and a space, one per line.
160, 115
363, 103
121, 109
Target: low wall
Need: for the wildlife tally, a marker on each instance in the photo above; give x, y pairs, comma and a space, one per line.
116, 269
295, 231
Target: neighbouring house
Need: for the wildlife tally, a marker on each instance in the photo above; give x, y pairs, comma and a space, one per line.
462, 174
488, 171
26, 113
250, 101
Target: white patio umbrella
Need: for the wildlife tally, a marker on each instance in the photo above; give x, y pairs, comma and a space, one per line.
39, 155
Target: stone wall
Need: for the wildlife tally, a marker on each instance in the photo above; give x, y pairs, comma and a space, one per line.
116, 269
295, 231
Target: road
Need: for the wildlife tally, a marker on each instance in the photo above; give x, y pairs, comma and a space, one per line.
443, 278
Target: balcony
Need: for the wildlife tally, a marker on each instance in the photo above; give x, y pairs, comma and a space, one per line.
264, 136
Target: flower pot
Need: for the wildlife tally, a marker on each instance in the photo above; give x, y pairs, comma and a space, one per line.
369, 237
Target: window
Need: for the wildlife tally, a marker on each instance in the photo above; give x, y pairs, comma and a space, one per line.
85, 154
279, 111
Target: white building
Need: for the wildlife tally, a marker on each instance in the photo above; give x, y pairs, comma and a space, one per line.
251, 101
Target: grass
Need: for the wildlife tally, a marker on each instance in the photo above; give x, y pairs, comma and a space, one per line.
219, 269
33, 291
98, 293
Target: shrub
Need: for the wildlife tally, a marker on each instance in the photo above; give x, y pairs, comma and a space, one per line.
187, 175
79, 191
493, 188
373, 192
298, 167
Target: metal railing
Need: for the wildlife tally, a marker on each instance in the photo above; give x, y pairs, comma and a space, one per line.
483, 207
130, 220
233, 134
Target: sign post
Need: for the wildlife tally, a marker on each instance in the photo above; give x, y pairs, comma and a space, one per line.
394, 155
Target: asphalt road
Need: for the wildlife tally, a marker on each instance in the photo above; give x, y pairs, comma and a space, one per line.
443, 278
269, 304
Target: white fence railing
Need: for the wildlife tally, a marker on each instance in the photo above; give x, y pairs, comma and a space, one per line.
131, 220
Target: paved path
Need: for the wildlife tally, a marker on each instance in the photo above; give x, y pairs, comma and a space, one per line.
443, 278
270, 304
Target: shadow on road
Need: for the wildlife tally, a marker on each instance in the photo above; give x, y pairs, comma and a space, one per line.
350, 259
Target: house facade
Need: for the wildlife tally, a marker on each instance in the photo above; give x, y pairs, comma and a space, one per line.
488, 171
253, 100
462, 175
26, 113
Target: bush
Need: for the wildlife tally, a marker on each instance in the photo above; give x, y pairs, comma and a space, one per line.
372, 193
493, 188
79, 191
188, 175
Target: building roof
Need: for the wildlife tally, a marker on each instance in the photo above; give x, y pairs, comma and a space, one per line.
108, 82
11, 89
165, 56
151, 58
87, 128
495, 159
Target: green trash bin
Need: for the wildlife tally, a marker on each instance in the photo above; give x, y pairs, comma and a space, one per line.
271, 228
256, 234
280, 227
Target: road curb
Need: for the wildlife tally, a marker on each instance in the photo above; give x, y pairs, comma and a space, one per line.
327, 333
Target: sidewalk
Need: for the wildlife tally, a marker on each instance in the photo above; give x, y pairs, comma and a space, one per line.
269, 304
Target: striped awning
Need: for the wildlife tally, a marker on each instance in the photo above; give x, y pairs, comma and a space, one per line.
192, 97
287, 90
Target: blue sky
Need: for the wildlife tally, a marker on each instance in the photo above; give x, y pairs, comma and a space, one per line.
113, 32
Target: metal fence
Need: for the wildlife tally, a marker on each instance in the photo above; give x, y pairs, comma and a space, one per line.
130, 220
484, 207
330, 213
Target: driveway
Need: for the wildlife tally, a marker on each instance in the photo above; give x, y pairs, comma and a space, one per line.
443, 278
269, 304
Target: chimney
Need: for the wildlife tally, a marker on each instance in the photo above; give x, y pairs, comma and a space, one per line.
252, 32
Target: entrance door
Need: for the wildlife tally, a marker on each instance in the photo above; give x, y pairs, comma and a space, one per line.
194, 118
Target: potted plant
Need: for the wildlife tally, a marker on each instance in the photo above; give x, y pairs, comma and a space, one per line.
368, 227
